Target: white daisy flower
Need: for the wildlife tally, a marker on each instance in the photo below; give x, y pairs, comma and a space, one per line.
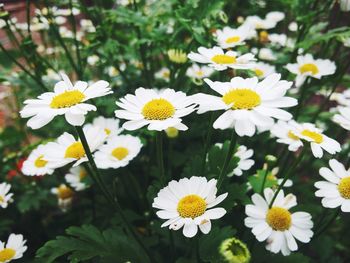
259, 23
75, 178
281, 40
14, 248
293, 26
186, 203
275, 16
199, 72
218, 59
248, 103
245, 163
262, 70
109, 125
118, 151
335, 191
343, 118
163, 73
307, 66
5, 196
267, 54
277, 225
64, 195
285, 132
66, 100
36, 163
67, 149
229, 37
318, 141
92, 60
345, 5
159, 109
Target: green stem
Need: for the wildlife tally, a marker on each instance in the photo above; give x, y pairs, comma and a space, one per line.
207, 141
264, 179
97, 177
228, 158
160, 160
325, 226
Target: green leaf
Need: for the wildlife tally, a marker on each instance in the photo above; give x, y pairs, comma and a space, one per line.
256, 181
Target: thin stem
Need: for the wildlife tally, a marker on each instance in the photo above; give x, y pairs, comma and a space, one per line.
207, 142
325, 226
264, 179
28, 15
288, 174
228, 158
160, 160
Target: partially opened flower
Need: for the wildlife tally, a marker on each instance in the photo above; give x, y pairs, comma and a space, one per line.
307, 66
189, 203
163, 73
159, 109
5, 196
66, 149
247, 103
318, 141
13, 249
335, 191
67, 100
262, 70
275, 16
218, 59
118, 151
109, 125
199, 72
286, 133
64, 195
343, 117
277, 225
36, 163
75, 178
259, 23
229, 37
245, 162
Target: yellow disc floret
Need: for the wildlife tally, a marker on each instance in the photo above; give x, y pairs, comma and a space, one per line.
107, 131
120, 153
7, 254
158, 109
315, 136
75, 150
242, 99
64, 192
224, 59
292, 136
309, 67
232, 40
344, 187
40, 162
279, 218
67, 99
259, 72
191, 206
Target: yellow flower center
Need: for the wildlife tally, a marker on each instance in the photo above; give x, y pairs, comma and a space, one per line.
75, 150
158, 109
2, 199
82, 174
264, 36
120, 153
242, 99
279, 218
317, 137
309, 67
7, 254
344, 187
224, 59
292, 136
259, 72
64, 192
166, 74
200, 73
107, 131
191, 206
67, 99
232, 40
39, 162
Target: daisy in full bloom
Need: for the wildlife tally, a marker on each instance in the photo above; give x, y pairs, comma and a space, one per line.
275, 16
67, 100
118, 151
13, 249
75, 178
199, 72
159, 109
262, 70
285, 132
218, 59
64, 195
36, 163
5, 196
247, 103
189, 203
163, 73
109, 125
229, 37
245, 163
343, 117
318, 141
307, 66
277, 225
259, 23
335, 191
67, 149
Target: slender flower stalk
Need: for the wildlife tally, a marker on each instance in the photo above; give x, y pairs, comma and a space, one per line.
264, 179
207, 142
323, 228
